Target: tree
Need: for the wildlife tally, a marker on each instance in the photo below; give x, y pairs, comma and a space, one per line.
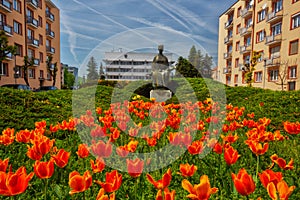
186, 69
69, 78
27, 63
91, 68
5, 49
52, 68
250, 67
206, 66
193, 57
101, 72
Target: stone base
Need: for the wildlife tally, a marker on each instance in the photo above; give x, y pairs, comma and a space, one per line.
161, 95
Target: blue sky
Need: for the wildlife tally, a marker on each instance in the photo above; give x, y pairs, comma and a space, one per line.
90, 28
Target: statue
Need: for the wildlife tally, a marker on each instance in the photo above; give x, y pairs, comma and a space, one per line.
160, 69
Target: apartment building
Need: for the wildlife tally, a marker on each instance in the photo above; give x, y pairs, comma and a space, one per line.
33, 26
130, 66
270, 27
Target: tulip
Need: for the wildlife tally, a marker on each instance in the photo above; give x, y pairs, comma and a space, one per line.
281, 188
135, 167
230, 155
292, 128
83, 151
163, 183
282, 163
12, 184
7, 137
196, 147
167, 195
218, 148
3, 164
33, 154
257, 148
102, 196
269, 176
243, 182
113, 181
99, 166
61, 158
23, 136
187, 169
44, 170
102, 149
42, 144
79, 183
201, 191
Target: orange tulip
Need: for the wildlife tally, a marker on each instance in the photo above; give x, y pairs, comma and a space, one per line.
83, 151
33, 154
281, 188
269, 176
257, 147
218, 148
122, 151
132, 145
243, 182
79, 183
61, 159
102, 149
196, 147
7, 137
200, 191
99, 166
14, 183
282, 163
135, 167
44, 169
23, 136
187, 169
167, 195
102, 196
292, 128
163, 183
230, 155
113, 181
42, 145
230, 138
3, 164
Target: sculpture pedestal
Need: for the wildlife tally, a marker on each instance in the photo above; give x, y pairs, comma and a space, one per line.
161, 95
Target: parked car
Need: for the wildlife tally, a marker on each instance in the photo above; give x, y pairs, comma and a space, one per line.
45, 88
17, 86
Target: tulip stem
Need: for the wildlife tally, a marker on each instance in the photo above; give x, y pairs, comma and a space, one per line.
257, 164
83, 196
46, 187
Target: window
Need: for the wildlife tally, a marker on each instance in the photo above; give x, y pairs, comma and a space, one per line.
19, 50
278, 6
276, 29
229, 32
296, 20
236, 78
261, 15
17, 5
237, 46
261, 56
228, 80
247, 41
273, 75
30, 53
248, 22
229, 49
238, 27
236, 64
260, 36
48, 76
292, 85
41, 74
40, 39
41, 57
258, 77
294, 47
4, 69
294, 1
17, 28
239, 11
30, 34
40, 21
31, 73
2, 19
275, 52
247, 59
292, 72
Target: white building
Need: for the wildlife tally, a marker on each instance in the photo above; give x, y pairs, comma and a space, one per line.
130, 65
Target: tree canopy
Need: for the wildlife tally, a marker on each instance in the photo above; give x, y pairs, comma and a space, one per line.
91, 69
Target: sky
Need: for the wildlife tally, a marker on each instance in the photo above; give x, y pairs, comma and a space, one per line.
93, 27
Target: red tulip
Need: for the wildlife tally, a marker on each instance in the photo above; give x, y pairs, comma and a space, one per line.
269, 176
3, 164
231, 155
102, 196
79, 183
282, 163
135, 167
167, 195
187, 169
12, 184
61, 159
243, 182
102, 149
83, 151
163, 183
99, 166
44, 169
113, 181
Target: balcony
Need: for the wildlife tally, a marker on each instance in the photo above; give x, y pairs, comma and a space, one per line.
245, 31
33, 42
33, 3
272, 62
246, 12
228, 39
36, 61
5, 5
50, 33
245, 49
229, 24
227, 70
49, 16
32, 22
273, 39
50, 49
227, 55
273, 17
6, 28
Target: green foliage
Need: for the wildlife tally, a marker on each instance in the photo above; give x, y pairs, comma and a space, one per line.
250, 68
52, 68
186, 69
91, 69
69, 78
5, 49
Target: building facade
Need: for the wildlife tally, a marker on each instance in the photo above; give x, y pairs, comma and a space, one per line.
270, 27
70, 69
130, 66
33, 26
